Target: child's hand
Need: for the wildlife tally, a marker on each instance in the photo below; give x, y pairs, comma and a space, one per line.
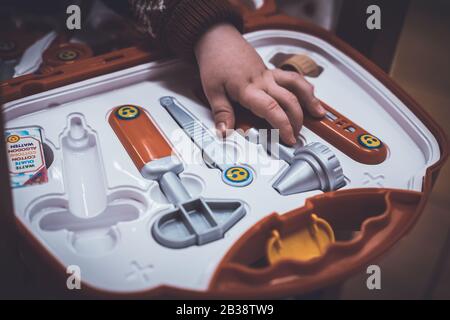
231, 69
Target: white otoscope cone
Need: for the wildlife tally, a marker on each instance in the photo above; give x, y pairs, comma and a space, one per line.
314, 167
300, 177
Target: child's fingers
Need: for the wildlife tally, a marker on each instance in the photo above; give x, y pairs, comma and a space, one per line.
302, 89
264, 106
289, 103
223, 112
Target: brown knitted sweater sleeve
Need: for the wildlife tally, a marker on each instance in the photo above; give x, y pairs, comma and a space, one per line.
176, 25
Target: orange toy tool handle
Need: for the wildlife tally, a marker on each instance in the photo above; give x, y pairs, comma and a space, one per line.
348, 137
139, 135
338, 130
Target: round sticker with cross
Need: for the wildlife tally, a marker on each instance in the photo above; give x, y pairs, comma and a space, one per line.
237, 176
127, 112
13, 138
369, 141
67, 55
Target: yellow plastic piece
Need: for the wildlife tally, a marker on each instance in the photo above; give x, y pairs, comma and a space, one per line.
309, 242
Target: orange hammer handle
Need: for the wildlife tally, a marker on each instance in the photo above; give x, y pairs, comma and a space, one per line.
139, 135
347, 136
340, 131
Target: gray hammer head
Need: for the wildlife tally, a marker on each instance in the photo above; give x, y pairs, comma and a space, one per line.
197, 222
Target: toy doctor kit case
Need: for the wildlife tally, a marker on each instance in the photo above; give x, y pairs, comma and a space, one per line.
111, 191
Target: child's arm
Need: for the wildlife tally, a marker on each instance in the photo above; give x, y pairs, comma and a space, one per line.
230, 69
